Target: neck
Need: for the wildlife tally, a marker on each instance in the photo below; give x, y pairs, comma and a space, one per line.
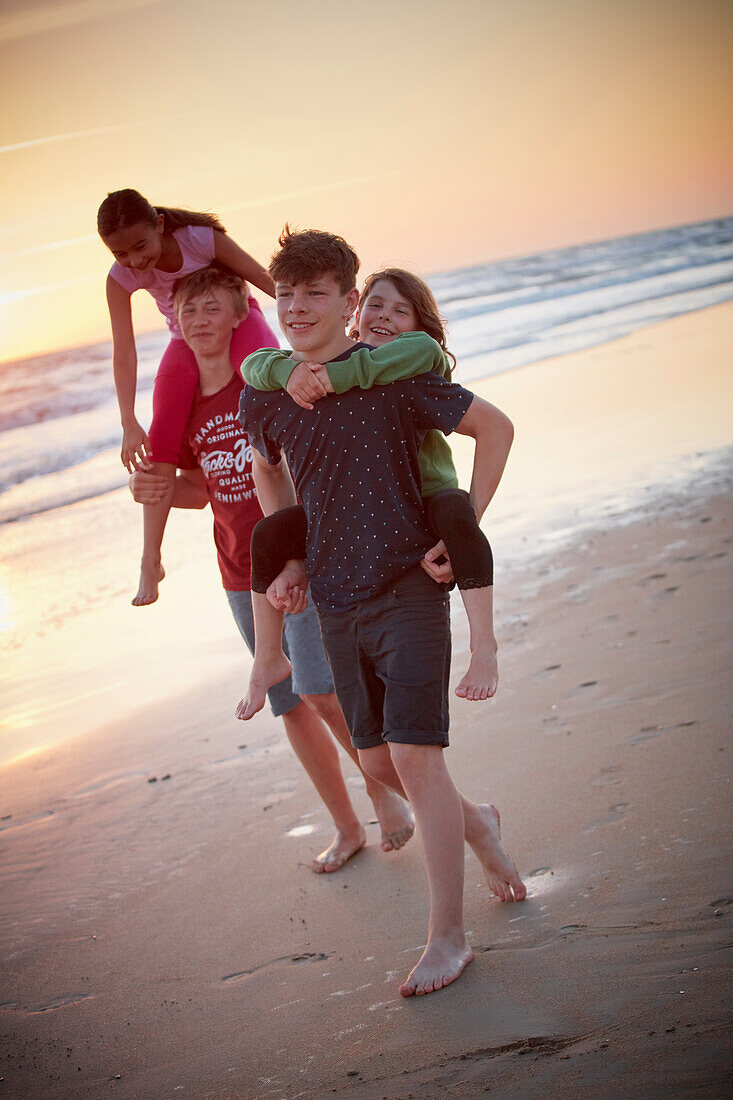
327, 351
214, 372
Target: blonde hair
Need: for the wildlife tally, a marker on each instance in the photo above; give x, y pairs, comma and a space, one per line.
206, 279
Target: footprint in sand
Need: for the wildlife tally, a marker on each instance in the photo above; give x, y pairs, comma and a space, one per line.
10, 823
288, 960
615, 813
667, 592
65, 1000
648, 733
607, 778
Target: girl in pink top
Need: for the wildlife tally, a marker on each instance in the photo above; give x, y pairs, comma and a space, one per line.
154, 247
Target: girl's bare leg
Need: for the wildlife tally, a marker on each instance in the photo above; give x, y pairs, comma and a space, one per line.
155, 517
270, 663
482, 677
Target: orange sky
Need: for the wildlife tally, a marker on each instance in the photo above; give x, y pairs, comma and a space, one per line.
430, 135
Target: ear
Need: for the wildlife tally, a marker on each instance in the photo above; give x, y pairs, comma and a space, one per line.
351, 302
160, 223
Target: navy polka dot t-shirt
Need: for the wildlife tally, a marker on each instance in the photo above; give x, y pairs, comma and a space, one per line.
354, 461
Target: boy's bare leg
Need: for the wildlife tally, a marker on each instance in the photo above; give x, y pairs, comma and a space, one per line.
439, 816
393, 813
482, 677
481, 831
316, 751
270, 664
155, 517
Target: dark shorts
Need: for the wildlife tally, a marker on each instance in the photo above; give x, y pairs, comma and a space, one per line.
390, 658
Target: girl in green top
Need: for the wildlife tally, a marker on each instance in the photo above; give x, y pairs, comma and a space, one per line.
396, 311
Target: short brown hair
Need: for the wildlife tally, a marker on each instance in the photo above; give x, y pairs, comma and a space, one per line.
206, 279
306, 255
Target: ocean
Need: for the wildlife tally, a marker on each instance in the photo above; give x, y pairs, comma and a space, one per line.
59, 424
73, 650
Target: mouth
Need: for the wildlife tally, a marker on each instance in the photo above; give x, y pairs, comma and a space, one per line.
300, 326
379, 331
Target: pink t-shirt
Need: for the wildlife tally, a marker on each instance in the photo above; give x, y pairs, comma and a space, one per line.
196, 243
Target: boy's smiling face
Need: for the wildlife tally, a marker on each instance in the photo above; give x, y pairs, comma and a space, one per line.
313, 316
207, 321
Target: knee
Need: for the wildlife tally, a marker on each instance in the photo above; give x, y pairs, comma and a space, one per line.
377, 765
415, 763
325, 706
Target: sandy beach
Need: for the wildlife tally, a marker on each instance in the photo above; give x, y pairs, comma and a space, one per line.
162, 935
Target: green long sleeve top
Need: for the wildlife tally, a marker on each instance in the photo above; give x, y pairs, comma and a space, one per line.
407, 356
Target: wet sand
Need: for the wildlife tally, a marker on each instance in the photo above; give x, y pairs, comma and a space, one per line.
162, 935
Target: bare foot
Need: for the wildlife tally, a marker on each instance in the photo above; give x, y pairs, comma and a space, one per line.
394, 817
264, 675
441, 963
482, 677
484, 836
150, 577
343, 847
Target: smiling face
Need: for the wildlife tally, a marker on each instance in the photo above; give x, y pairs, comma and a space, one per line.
385, 314
138, 246
313, 315
207, 321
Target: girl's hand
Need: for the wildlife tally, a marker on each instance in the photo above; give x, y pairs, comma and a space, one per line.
442, 573
306, 384
135, 453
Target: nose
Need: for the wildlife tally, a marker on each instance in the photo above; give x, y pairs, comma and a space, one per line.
298, 304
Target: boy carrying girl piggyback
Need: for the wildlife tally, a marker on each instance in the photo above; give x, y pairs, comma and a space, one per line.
354, 461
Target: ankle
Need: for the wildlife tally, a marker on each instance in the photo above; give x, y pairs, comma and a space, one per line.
266, 656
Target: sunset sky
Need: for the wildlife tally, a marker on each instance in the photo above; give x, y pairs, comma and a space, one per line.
431, 135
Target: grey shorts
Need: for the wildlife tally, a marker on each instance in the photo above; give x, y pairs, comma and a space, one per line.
301, 641
390, 658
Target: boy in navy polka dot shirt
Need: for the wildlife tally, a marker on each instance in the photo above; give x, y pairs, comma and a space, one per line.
384, 620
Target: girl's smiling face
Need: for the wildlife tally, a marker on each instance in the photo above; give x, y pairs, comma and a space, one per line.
385, 314
138, 246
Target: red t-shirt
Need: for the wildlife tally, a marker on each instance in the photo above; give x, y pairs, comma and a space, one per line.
215, 441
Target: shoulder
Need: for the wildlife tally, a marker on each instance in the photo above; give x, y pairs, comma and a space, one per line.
198, 239
417, 339
123, 276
